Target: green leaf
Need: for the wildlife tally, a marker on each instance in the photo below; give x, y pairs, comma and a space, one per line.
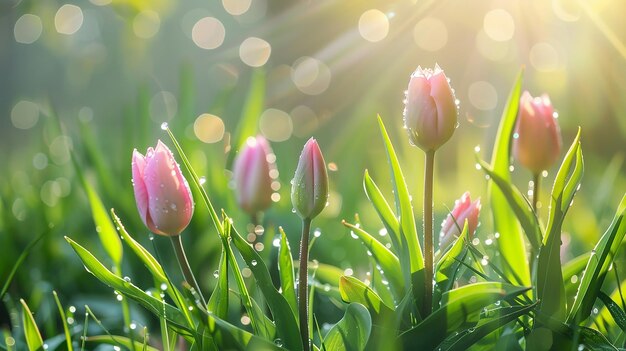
511, 243
218, 302
287, 275
144, 255
598, 265
407, 223
619, 316
257, 319
550, 287
353, 290
467, 338
104, 226
229, 337
449, 262
574, 267
126, 288
351, 332
383, 256
19, 261
286, 324
119, 340
31, 332
519, 204
66, 330
384, 211
460, 308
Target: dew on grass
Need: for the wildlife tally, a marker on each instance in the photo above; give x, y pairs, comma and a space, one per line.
163, 286
164, 126
202, 180
278, 342
276, 242
127, 279
317, 233
353, 235
133, 326
382, 232
253, 262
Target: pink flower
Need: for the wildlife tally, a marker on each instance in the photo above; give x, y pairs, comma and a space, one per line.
430, 112
253, 183
537, 138
162, 194
309, 187
464, 209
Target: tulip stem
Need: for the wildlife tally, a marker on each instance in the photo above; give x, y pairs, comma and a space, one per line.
303, 303
535, 192
428, 231
177, 242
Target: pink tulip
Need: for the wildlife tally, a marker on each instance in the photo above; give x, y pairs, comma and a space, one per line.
430, 112
464, 209
537, 138
253, 183
162, 194
309, 187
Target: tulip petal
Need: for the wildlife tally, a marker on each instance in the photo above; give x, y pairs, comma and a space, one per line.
139, 187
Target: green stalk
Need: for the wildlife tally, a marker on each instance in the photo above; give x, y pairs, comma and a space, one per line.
303, 303
177, 242
126, 312
535, 192
428, 231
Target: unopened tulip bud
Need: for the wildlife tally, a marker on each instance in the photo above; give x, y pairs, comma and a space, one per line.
309, 187
464, 209
162, 194
537, 137
251, 173
430, 112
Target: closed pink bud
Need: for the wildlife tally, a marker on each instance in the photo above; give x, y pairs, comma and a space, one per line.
162, 194
430, 111
537, 137
251, 173
309, 187
464, 209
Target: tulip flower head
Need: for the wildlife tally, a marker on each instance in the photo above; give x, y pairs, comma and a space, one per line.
430, 112
464, 209
537, 137
251, 173
309, 187
162, 194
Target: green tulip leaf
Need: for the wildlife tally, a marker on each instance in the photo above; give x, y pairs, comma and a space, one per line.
31, 332
287, 275
352, 332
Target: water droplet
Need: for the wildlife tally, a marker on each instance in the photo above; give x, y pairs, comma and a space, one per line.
477, 148
164, 126
326, 287
317, 233
202, 180
151, 236
127, 279
293, 210
253, 262
382, 232
173, 207
478, 166
353, 235
216, 274
278, 342
276, 242
133, 326
119, 297
163, 286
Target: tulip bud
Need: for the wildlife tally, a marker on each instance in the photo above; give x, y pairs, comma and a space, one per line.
309, 187
430, 111
464, 209
162, 194
537, 137
251, 173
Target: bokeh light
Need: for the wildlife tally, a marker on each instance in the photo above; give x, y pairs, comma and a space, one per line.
27, 29
25, 114
68, 19
373, 25
255, 52
146, 24
544, 57
208, 33
310, 75
276, 125
483, 95
236, 7
209, 128
498, 24
430, 34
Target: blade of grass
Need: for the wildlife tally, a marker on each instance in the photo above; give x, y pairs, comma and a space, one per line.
66, 330
19, 261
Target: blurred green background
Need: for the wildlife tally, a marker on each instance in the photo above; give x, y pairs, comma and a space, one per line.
97, 78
